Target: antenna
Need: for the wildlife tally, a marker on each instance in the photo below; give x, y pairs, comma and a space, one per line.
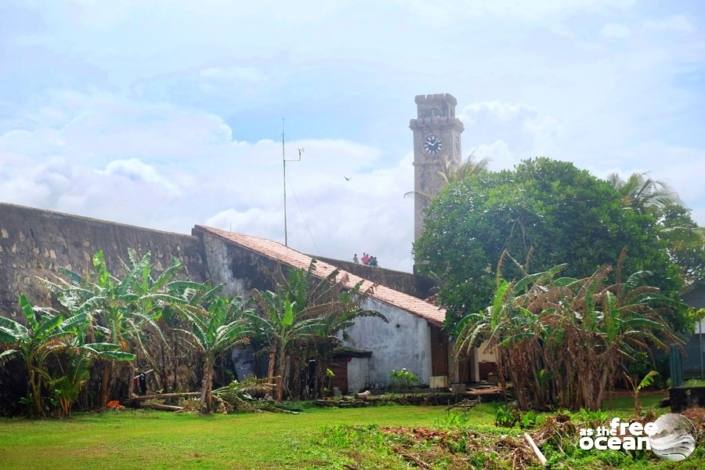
284, 160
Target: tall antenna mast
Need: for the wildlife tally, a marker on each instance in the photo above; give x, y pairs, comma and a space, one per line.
284, 160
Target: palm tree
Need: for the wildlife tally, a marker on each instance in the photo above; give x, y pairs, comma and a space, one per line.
450, 173
642, 193
216, 325
470, 167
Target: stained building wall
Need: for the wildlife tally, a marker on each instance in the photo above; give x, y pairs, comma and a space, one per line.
404, 341
237, 269
35, 243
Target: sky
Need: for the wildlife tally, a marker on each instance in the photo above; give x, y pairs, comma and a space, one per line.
168, 114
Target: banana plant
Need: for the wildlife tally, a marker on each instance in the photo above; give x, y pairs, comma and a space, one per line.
305, 313
79, 357
563, 341
119, 309
42, 336
639, 385
46, 333
217, 324
281, 323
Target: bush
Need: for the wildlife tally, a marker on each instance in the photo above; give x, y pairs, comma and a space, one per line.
403, 379
506, 416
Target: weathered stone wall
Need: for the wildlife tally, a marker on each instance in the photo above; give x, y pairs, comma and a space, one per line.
237, 269
409, 283
36, 243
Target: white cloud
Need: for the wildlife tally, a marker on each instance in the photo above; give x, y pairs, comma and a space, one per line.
445, 11
233, 73
498, 154
507, 132
134, 170
615, 31
170, 168
675, 24
170, 104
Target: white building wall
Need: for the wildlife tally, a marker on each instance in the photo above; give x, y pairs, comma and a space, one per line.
482, 354
405, 341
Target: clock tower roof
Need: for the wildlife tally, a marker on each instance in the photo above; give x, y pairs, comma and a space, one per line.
436, 111
437, 98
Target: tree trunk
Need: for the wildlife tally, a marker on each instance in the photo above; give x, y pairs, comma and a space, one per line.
105, 383
282, 372
131, 377
207, 385
175, 364
36, 390
270, 364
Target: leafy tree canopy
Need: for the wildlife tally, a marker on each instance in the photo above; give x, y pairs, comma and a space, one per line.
543, 213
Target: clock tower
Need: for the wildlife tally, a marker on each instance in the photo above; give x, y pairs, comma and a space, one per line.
436, 149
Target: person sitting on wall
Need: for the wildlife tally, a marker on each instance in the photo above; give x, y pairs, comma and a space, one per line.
373, 261
355, 260
365, 259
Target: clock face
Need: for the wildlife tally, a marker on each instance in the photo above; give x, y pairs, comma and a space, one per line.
432, 145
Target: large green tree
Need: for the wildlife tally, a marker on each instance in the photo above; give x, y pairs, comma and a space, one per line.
542, 213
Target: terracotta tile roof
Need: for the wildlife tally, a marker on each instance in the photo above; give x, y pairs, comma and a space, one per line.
278, 252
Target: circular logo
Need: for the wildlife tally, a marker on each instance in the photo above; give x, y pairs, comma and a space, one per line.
673, 437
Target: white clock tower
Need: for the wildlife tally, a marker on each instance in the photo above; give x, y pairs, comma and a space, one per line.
436, 149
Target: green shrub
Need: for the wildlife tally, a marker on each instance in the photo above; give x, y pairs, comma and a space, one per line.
506, 416
528, 420
454, 420
403, 378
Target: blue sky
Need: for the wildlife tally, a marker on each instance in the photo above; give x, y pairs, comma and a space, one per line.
168, 113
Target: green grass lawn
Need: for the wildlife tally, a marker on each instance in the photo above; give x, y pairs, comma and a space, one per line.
150, 439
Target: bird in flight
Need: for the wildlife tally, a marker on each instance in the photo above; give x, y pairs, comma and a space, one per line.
347, 178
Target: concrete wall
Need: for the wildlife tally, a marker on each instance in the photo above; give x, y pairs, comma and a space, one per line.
409, 283
238, 269
36, 243
405, 341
